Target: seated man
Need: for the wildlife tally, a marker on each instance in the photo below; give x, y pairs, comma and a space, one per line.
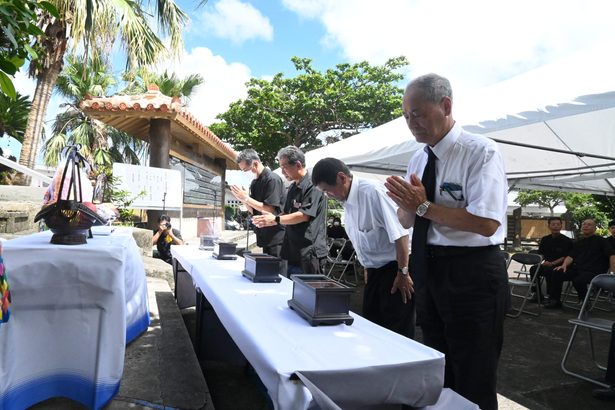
609, 393
590, 256
553, 248
164, 237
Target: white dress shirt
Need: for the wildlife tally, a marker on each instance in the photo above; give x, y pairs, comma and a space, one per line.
469, 174
371, 222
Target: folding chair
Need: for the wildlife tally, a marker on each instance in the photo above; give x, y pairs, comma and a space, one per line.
527, 260
525, 268
338, 263
570, 291
591, 323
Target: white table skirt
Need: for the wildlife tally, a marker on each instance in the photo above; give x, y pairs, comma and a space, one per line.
358, 365
74, 309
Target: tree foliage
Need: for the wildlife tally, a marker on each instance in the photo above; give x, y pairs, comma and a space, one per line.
18, 21
547, 199
168, 83
13, 115
296, 111
579, 206
100, 144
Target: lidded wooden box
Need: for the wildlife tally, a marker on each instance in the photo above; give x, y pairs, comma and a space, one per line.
321, 300
260, 267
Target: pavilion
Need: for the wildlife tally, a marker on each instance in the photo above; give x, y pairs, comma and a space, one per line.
174, 134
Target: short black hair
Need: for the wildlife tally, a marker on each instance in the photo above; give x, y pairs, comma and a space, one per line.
612, 223
554, 218
292, 155
164, 218
326, 171
247, 155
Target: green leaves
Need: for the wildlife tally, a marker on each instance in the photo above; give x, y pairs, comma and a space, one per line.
6, 85
312, 108
13, 115
17, 19
579, 206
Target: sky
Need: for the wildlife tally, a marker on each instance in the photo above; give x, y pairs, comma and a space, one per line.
475, 43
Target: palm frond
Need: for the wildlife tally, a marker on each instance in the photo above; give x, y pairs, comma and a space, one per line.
172, 22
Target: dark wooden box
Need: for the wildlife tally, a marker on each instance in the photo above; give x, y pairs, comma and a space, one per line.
207, 242
321, 300
225, 250
260, 267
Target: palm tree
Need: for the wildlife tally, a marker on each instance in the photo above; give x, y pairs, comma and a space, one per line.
95, 24
100, 144
13, 116
168, 83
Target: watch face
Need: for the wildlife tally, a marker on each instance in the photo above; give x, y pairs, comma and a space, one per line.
422, 208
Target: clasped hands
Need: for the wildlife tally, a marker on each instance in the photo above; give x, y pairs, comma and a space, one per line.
407, 195
240, 193
264, 220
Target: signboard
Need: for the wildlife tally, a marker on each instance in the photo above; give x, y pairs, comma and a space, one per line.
162, 187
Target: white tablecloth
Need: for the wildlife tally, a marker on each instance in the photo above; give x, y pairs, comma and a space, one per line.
358, 365
74, 309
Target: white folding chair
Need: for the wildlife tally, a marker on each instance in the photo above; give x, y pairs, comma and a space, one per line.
588, 320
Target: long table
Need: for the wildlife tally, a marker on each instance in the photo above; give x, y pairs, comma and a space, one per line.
353, 366
74, 310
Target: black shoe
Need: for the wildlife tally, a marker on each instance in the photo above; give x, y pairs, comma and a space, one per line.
534, 298
605, 394
554, 304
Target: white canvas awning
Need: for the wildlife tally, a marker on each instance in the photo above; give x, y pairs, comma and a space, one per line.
553, 115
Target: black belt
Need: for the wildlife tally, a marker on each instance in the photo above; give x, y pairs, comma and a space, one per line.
436, 251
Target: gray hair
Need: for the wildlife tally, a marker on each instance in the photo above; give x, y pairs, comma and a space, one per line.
292, 155
434, 87
247, 155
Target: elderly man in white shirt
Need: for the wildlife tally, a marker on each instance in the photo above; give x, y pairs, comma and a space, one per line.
455, 197
380, 241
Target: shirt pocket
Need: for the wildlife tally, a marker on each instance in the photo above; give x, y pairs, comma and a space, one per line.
368, 238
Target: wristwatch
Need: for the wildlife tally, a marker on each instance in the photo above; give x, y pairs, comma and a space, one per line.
277, 219
403, 271
422, 208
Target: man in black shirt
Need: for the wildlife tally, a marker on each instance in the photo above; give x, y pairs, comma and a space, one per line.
590, 256
553, 248
266, 195
305, 246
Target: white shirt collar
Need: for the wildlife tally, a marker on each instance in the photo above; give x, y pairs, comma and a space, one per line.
443, 147
353, 194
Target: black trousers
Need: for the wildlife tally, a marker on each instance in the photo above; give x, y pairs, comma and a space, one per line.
274, 250
579, 279
546, 272
309, 266
384, 309
461, 306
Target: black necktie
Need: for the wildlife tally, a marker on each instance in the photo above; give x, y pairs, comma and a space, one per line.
421, 225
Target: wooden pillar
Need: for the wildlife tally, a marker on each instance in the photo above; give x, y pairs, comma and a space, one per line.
221, 163
160, 142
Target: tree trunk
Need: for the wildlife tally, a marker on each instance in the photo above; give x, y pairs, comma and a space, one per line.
54, 44
42, 94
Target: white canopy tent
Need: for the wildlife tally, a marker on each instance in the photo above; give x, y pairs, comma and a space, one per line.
545, 121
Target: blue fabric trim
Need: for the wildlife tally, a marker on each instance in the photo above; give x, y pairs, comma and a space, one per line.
136, 328
71, 386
